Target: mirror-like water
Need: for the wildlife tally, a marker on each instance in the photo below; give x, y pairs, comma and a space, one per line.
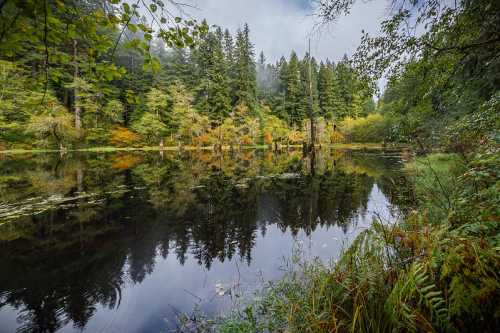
125, 242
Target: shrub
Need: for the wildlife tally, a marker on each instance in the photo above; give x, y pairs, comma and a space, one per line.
372, 128
296, 137
246, 140
268, 138
337, 137
203, 140
474, 129
123, 137
97, 136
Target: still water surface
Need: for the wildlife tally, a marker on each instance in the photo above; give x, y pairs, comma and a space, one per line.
126, 242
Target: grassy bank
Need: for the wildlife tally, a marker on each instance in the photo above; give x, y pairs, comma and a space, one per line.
186, 148
437, 270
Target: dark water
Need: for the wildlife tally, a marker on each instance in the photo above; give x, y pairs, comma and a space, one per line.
126, 242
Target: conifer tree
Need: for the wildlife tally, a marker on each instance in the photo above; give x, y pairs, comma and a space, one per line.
305, 88
230, 62
292, 88
326, 92
346, 87
213, 97
279, 108
246, 81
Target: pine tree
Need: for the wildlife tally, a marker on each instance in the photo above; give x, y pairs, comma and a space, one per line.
246, 80
177, 66
230, 63
213, 96
326, 92
368, 106
340, 92
292, 82
305, 87
345, 87
279, 104
262, 60
228, 47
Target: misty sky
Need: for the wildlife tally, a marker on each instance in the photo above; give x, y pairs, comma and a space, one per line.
278, 26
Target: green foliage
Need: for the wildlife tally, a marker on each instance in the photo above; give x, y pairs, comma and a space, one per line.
275, 129
481, 127
213, 94
112, 112
53, 125
372, 128
326, 91
440, 79
245, 71
429, 171
192, 92
150, 128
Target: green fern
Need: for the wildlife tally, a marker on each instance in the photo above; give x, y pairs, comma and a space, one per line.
414, 294
432, 298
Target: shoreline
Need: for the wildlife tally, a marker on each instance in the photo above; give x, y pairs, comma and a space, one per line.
108, 149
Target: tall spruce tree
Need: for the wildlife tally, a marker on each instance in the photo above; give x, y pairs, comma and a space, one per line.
230, 63
346, 87
279, 104
213, 97
305, 87
291, 77
246, 77
326, 92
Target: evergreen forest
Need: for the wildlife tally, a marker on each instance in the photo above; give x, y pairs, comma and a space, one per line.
97, 75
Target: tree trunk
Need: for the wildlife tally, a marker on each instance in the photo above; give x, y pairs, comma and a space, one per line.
78, 111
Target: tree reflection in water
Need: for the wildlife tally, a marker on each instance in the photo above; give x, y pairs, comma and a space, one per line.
76, 229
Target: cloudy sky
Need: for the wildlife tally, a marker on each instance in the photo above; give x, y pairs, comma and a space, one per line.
278, 26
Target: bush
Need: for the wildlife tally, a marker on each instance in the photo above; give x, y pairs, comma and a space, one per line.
202, 140
296, 137
475, 129
97, 136
372, 128
435, 181
337, 137
246, 140
268, 138
123, 137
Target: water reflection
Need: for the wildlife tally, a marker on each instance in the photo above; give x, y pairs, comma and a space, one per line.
85, 238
